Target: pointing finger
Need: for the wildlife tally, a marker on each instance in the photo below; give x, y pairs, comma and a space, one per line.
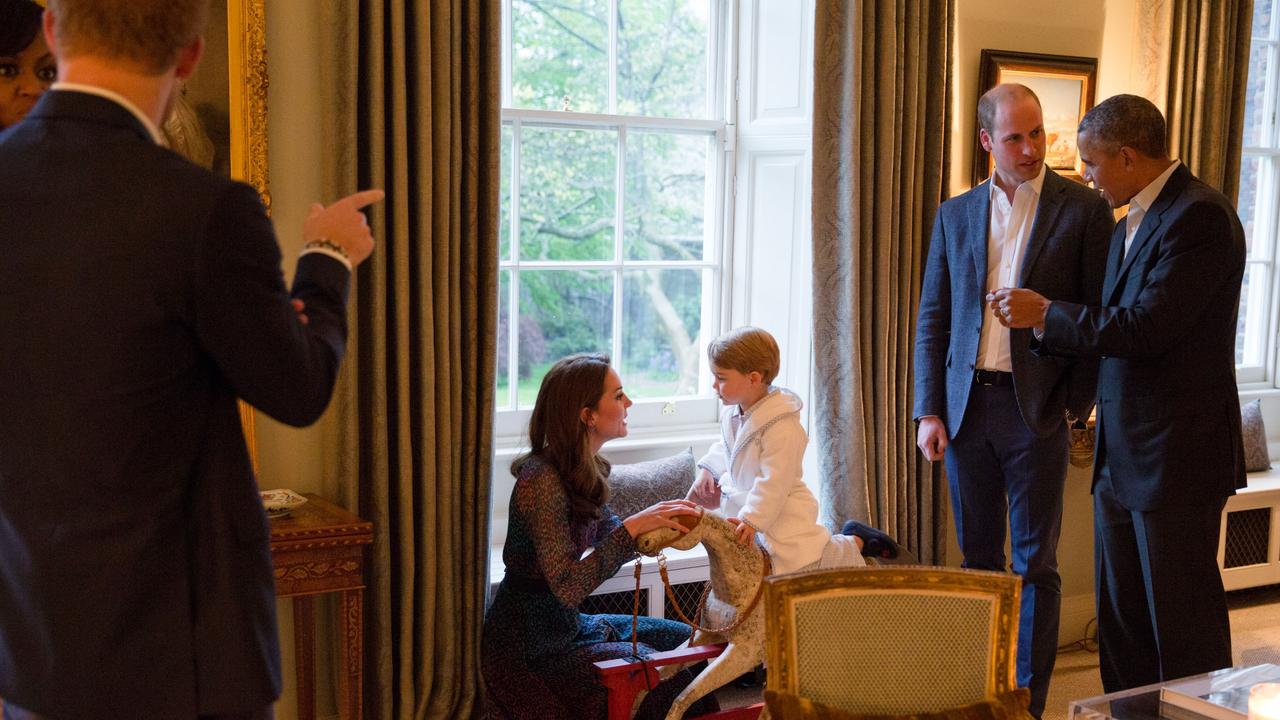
362, 199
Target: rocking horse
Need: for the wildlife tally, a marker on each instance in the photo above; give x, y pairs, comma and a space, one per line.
729, 612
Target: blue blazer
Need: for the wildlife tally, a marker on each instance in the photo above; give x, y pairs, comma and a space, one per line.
1168, 408
139, 296
1064, 258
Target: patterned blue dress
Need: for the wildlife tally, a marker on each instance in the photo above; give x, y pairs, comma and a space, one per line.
537, 650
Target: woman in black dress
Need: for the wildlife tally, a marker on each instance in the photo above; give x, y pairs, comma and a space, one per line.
537, 649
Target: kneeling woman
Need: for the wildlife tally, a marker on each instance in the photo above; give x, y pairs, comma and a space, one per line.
537, 649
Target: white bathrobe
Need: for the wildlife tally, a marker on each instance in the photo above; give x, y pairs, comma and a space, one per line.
758, 464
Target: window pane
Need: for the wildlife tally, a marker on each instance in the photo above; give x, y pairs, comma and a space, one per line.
1255, 97
501, 397
1263, 11
561, 312
1251, 341
1254, 204
661, 319
662, 57
567, 193
560, 55
504, 202
666, 193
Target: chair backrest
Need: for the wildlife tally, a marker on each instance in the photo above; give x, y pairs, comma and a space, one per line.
892, 639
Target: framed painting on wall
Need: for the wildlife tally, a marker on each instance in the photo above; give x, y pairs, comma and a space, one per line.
219, 120
1065, 86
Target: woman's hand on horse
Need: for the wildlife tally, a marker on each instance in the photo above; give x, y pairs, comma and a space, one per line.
660, 515
743, 530
705, 490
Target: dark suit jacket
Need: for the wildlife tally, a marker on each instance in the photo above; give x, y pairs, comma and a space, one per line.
139, 296
1063, 258
1168, 409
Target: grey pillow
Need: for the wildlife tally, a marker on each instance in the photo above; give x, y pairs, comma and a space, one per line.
636, 486
1256, 456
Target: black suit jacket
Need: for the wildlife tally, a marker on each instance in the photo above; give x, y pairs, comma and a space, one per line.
1063, 258
1168, 409
139, 296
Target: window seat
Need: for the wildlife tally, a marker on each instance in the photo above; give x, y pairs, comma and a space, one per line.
1249, 544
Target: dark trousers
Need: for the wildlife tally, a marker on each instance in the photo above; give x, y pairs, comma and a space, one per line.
1162, 612
996, 465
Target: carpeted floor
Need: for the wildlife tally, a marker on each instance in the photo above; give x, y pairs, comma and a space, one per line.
1255, 638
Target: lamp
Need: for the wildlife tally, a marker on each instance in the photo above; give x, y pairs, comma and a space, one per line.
1264, 702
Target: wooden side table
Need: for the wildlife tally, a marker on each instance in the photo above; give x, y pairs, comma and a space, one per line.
319, 548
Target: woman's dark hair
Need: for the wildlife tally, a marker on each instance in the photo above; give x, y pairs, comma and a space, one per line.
19, 24
558, 436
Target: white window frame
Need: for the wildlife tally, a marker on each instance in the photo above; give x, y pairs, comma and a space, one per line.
649, 417
1265, 297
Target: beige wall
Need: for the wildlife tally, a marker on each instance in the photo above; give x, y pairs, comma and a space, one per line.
289, 457
1104, 29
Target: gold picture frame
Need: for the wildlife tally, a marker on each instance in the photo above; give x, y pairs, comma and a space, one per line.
247, 99
221, 121
1065, 85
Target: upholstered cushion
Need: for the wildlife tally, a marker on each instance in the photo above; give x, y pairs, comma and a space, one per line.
1256, 456
1005, 706
636, 486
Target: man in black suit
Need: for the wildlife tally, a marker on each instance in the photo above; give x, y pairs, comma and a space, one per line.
1169, 451
983, 401
139, 296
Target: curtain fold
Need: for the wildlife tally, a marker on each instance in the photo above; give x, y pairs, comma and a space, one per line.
1209, 66
414, 89
882, 98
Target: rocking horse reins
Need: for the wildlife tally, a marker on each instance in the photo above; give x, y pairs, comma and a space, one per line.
743, 614
695, 624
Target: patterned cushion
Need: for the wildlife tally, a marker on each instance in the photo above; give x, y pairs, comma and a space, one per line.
636, 486
1005, 706
1256, 456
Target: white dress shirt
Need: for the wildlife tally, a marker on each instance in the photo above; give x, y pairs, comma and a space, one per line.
1141, 203
1007, 237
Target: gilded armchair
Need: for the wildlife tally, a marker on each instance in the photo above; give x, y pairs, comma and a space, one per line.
892, 640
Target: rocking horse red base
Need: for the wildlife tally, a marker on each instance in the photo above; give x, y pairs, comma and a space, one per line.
732, 638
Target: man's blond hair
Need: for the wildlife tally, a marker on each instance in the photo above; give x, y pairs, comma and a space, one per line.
746, 349
146, 33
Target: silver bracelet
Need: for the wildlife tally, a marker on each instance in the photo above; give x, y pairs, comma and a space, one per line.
326, 244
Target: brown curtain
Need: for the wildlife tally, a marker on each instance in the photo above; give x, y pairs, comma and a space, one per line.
414, 88
1209, 66
882, 97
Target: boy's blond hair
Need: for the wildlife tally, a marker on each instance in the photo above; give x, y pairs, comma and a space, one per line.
746, 349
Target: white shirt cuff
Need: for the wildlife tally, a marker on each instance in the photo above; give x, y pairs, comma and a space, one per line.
326, 251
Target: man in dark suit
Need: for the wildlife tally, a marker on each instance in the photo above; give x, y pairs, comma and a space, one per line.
139, 296
995, 411
1169, 451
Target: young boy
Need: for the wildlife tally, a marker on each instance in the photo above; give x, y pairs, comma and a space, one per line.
753, 473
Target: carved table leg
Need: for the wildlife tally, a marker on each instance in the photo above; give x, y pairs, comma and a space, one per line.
350, 685
304, 651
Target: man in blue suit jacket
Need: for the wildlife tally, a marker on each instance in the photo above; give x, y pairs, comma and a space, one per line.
1169, 450
139, 296
995, 411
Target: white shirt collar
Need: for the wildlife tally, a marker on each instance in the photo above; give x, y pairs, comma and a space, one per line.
1035, 184
117, 99
1147, 195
